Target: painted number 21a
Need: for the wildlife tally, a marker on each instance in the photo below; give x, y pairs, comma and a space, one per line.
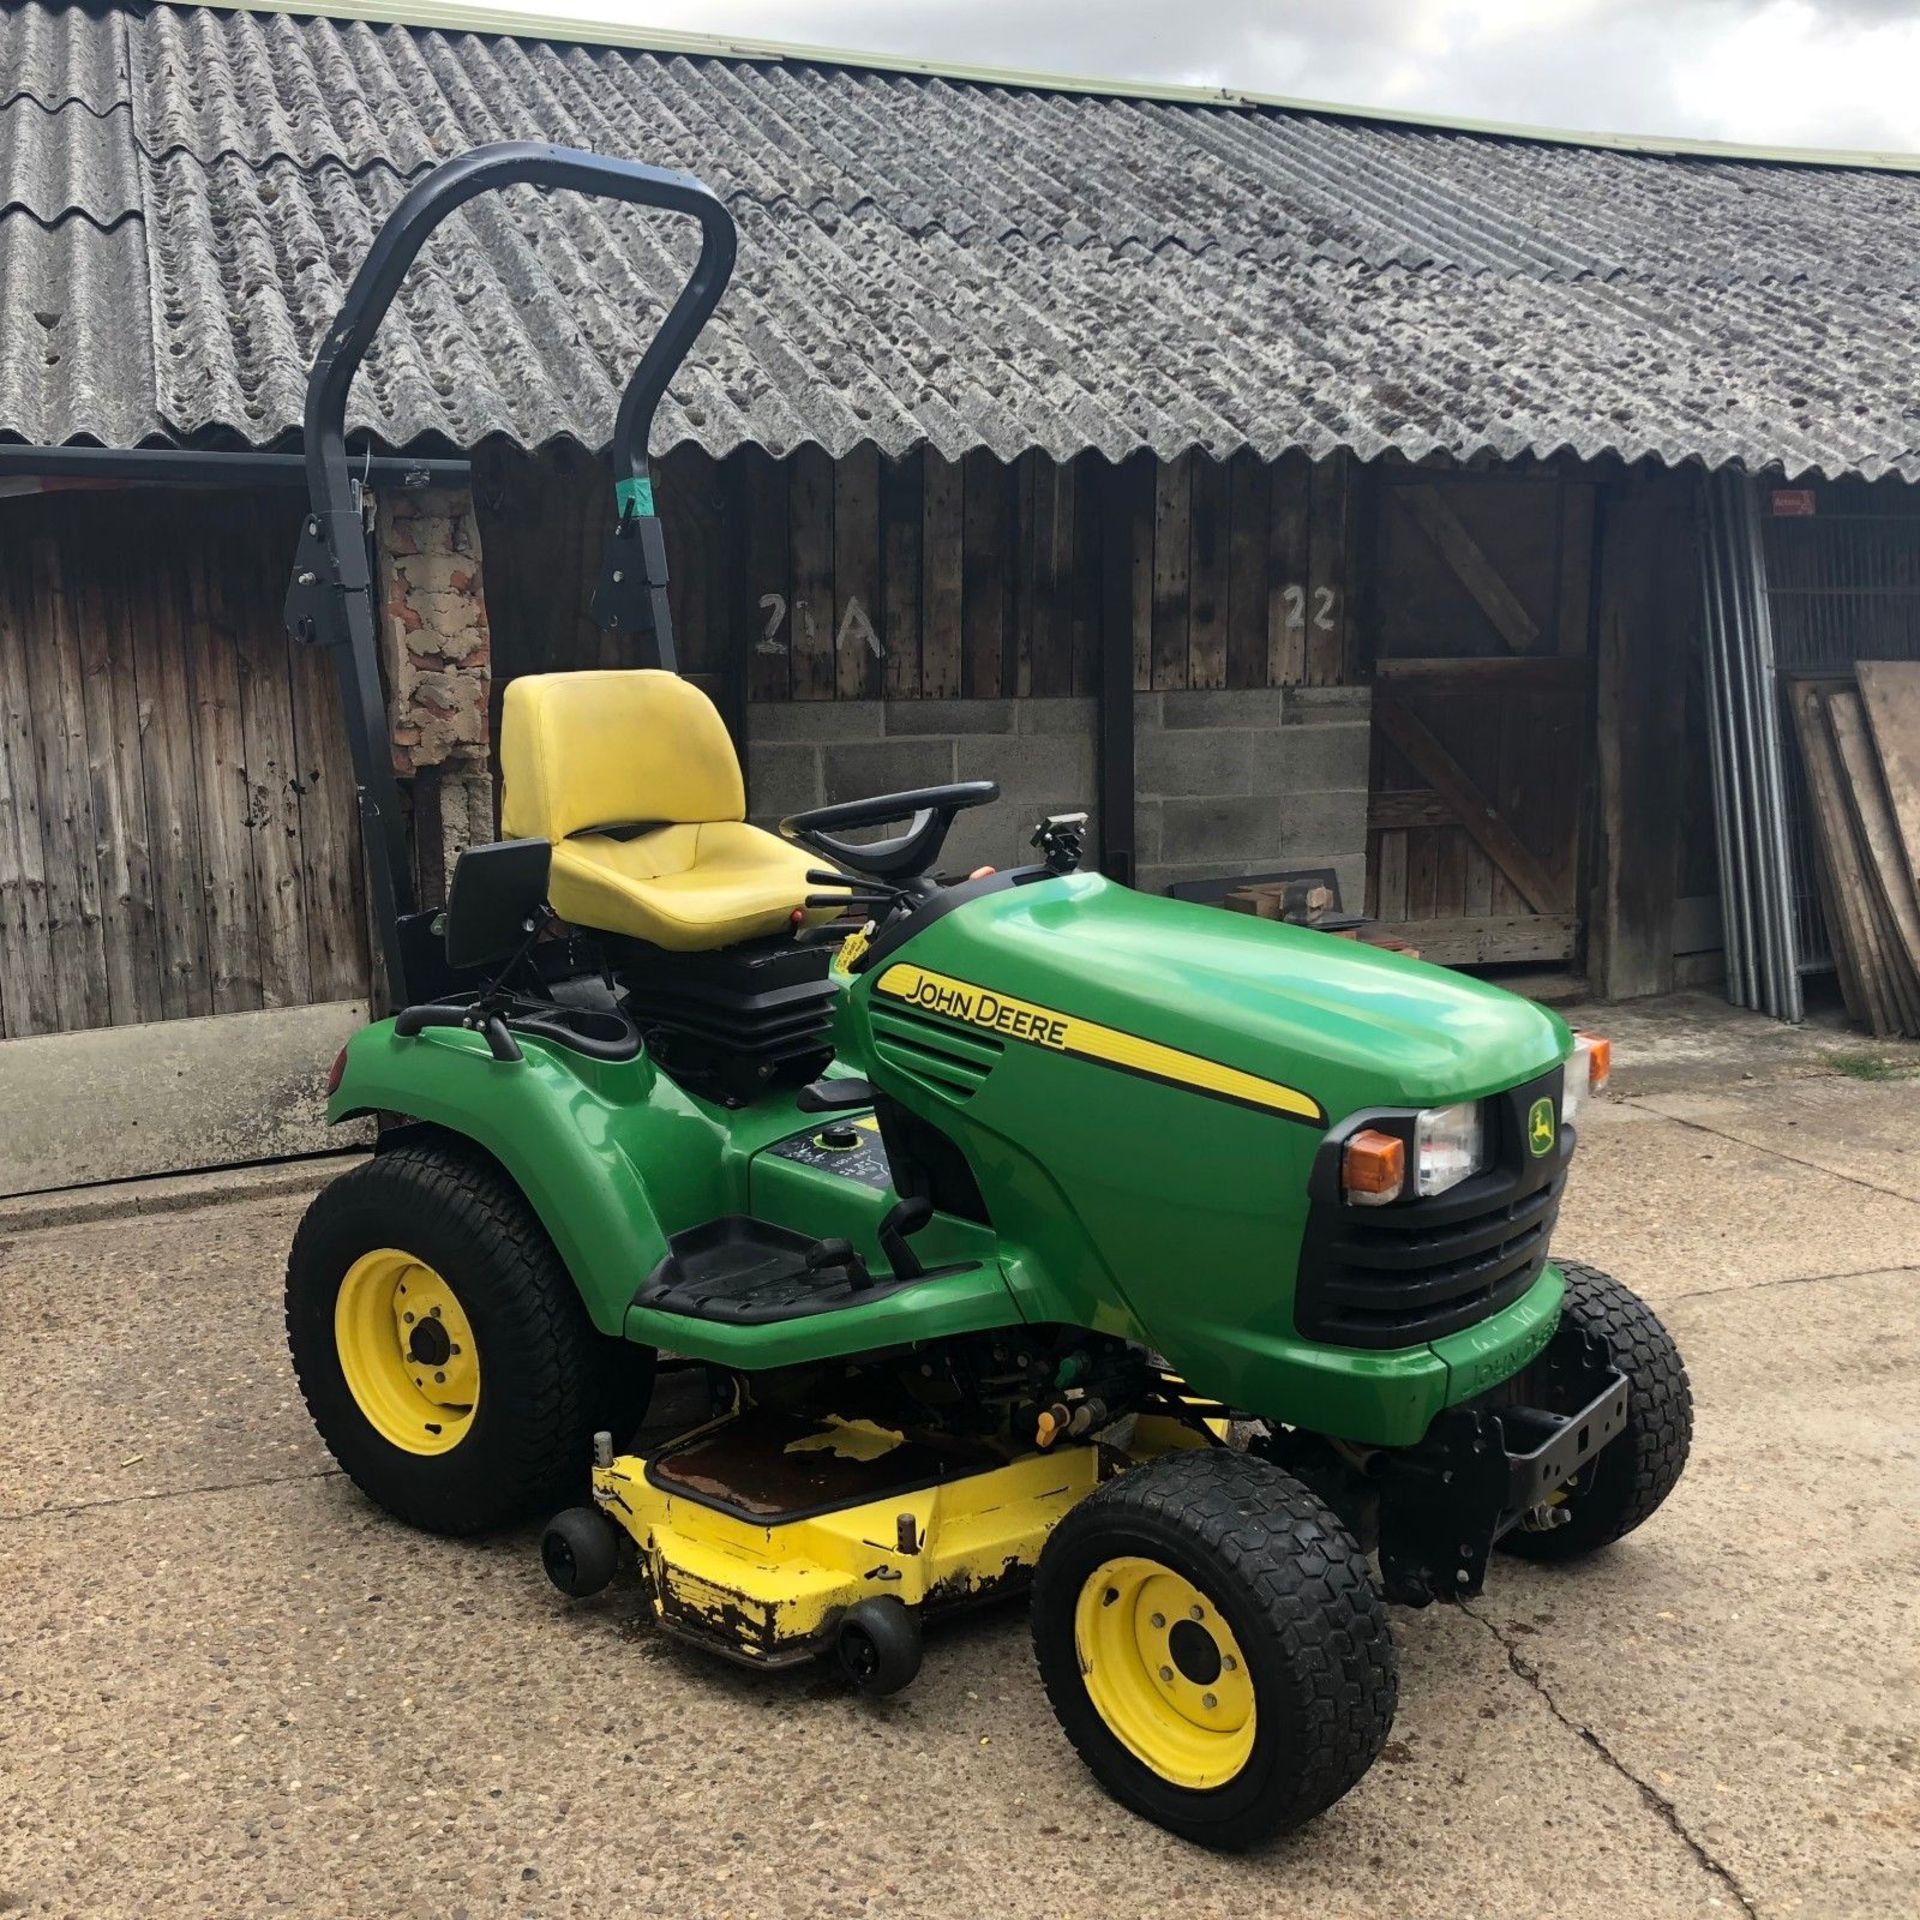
855, 628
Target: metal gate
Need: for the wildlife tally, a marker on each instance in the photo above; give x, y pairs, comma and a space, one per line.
1842, 568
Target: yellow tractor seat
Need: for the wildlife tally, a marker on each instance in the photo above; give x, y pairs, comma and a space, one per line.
632, 777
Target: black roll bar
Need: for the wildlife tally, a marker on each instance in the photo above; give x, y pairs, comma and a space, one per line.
330, 599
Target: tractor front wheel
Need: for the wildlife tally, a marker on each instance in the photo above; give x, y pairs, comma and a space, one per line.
442, 1347
1213, 1647
1622, 1485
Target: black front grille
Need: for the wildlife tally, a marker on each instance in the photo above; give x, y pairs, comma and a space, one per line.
1394, 1276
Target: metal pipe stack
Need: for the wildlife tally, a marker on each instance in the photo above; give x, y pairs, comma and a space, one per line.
1749, 788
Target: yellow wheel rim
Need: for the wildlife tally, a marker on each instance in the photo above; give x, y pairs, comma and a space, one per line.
407, 1352
1164, 1671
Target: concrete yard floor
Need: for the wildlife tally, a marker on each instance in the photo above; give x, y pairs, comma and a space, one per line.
228, 1686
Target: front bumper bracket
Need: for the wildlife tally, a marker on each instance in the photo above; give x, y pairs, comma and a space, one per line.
1485, 1465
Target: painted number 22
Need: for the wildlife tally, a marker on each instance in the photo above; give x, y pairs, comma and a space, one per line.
1296, 599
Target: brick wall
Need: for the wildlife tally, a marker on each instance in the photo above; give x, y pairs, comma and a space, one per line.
438, 650
1227, 781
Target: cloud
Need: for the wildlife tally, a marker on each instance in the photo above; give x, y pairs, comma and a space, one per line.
1766, 72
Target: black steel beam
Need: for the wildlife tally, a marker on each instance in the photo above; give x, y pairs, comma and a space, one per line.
1121, 486
186, 467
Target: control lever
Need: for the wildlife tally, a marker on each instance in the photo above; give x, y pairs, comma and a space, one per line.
834, 1096
909, 1216
848, 887
828, 1254
829, 933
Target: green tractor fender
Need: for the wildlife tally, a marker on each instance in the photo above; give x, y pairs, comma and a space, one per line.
571, 1133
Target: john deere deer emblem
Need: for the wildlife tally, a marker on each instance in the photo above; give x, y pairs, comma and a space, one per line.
1540, 1127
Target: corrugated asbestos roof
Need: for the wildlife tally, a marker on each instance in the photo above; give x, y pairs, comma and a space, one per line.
184, 194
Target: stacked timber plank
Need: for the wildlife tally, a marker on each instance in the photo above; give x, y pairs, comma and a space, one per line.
1859, 741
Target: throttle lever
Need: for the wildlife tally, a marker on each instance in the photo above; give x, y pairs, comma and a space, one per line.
825, 1255
908, 1216
830, 934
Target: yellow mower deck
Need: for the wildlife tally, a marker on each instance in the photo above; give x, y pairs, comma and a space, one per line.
758, 1533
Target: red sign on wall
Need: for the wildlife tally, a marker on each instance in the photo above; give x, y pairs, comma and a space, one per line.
1793, 503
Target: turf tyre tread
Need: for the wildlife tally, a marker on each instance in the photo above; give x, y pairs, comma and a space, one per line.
1295, 1587
548, 1377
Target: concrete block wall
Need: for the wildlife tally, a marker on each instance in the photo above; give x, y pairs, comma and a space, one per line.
1228, 782
811, 753
1255, 780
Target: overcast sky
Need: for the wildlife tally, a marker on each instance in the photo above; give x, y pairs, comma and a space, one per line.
1834, 73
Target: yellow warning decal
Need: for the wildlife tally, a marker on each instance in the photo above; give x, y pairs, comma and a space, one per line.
847, 956
1039, 1026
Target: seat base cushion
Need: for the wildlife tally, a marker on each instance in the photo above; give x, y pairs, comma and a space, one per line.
688, 888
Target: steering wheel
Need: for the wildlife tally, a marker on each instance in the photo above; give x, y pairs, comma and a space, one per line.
930, 812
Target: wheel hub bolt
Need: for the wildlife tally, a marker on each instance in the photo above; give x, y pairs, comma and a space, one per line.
1166, 1673
1159, 1619
1196, 1613
1207, 1700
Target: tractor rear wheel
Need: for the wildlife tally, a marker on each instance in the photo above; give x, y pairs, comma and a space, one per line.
1213, 1647
1623, 1484
442, 1348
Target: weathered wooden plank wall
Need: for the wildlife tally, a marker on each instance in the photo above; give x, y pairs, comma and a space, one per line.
810, 579
177, 819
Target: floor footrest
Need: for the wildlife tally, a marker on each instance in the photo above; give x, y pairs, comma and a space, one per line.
749, 1272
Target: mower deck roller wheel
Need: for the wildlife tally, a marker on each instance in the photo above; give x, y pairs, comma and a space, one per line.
442, 1347
580, 1550
877, 1644
1623, 1485
1213, 1647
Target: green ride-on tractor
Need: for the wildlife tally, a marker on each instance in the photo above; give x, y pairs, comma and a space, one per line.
1015, 1232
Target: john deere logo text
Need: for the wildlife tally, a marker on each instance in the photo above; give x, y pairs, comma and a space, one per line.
959, 1001
1540, 1126
940, 993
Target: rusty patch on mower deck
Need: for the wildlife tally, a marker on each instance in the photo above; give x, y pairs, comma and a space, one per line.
696, 1611
769, 1466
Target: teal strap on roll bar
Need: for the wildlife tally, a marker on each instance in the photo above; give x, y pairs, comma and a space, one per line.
633, 495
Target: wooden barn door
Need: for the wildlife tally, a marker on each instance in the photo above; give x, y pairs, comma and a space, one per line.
1481, 750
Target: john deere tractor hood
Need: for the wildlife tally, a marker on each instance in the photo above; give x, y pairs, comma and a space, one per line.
1348, 1024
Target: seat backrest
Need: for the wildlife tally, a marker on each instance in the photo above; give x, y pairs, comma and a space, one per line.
614, 748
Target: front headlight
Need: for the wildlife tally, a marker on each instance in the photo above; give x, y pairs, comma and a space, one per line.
1449, 1145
